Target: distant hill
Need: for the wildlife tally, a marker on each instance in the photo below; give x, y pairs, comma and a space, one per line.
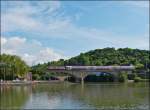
103, 57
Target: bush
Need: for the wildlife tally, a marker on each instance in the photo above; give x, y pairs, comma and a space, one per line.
35, 77
122, 77
145, 80
131, 76
137, 79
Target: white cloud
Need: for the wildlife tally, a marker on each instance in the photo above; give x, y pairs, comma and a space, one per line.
47, 54
19, 15
32, 52
43, 19
15, 21
16, 41
30, 59
141, 4
31, 7
3, 40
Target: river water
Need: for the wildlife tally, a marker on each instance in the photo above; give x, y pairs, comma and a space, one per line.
76, 96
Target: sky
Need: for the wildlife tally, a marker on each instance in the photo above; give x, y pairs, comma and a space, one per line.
42, 31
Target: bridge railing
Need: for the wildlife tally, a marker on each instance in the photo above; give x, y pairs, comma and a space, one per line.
56, 68
91, 68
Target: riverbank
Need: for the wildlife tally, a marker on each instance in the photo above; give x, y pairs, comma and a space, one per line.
5, 83
28, 82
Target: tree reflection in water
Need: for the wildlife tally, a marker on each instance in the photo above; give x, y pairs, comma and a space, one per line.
13, 97
75, 96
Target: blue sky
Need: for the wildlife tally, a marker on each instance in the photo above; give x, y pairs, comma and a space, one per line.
41, 31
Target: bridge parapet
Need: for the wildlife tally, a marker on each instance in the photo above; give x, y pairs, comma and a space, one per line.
91, 68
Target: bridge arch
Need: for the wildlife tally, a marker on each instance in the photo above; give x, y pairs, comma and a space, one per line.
100, 77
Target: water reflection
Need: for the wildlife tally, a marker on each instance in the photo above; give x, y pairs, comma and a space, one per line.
75, 96
13, 97
114, 96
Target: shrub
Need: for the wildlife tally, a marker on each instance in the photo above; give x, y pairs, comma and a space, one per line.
131, 76
122, 77
35, 77
137, 79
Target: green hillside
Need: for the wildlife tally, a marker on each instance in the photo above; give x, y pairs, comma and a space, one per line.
103, 57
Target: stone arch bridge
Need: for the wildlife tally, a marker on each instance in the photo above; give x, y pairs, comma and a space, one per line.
83, 71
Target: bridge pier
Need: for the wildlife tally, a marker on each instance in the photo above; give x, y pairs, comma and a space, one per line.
82, 80
82, 76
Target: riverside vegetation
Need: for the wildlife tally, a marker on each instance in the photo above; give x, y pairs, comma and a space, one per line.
99, 57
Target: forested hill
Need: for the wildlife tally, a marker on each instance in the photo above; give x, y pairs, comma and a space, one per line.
106, 56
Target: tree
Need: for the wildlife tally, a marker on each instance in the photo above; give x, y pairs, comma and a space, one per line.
15, 66
83, 60
139, 66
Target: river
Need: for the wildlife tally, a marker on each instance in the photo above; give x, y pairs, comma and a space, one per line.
76, 96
